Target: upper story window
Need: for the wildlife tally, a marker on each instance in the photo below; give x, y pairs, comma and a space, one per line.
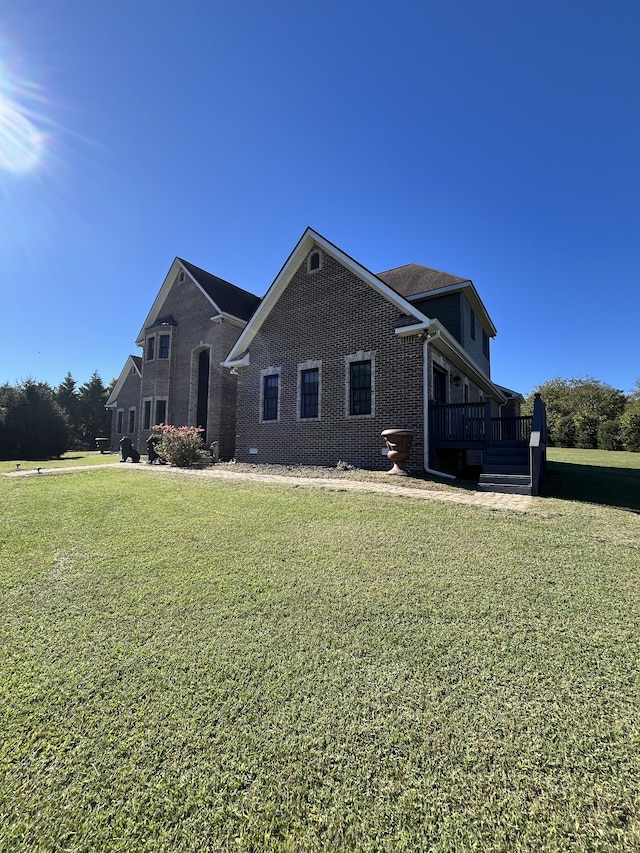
309, 392
314, 261
270, 395
485, 344
151, 348
164, 342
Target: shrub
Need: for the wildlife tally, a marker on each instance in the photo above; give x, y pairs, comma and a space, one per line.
564, 433
180, 446
609, 435
587, 432
630, 430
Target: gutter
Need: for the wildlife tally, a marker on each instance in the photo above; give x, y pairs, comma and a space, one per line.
430, 334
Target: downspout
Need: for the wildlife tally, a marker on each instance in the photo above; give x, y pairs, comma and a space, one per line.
431, 333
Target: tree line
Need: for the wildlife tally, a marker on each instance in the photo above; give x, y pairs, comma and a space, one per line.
590, 414
38, 421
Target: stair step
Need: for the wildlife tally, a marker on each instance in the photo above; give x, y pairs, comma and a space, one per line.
507, 479
504, 468
504, 489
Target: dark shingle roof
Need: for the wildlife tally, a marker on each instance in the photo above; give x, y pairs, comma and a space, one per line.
412, 279
229, 298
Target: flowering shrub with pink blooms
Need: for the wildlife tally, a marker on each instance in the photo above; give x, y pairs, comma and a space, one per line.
180, 446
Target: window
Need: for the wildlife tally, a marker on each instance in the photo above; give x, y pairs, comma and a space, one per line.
360, 388
314, 261
161, 411
485, 344
473, 326
270, 391
119, 420
309, 392
163, 346
147, 415
151, 348
132, 420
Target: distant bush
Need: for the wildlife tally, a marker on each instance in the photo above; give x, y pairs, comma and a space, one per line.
609, 435
565, 432
630, 430
180, 446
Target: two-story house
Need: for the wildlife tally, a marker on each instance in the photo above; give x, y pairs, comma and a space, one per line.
191, 326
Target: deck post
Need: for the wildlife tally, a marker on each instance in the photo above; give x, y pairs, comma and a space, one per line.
487, 421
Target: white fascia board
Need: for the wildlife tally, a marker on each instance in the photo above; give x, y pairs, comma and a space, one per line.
309, 239
475, 301
240, 361
218, 318
158, 302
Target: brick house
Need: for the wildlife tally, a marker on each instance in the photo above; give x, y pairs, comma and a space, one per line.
194, 321
330, 357
334, 354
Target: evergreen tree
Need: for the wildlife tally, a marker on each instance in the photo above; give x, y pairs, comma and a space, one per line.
94, 419
32, 424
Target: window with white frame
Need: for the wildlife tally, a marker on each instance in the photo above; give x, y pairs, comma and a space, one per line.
270, 394
309, 390
120, 420
132, 420
360, 384
151, 348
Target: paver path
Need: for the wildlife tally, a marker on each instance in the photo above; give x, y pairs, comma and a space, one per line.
485, 500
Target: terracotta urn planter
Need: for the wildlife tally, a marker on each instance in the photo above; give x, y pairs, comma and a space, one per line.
399, 444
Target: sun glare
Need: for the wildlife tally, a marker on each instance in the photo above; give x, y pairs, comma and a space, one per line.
21, 142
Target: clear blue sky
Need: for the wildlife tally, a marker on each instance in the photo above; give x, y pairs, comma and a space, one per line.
499, 141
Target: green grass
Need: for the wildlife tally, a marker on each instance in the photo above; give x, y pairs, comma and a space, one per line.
595, 476
191, 665
71, 459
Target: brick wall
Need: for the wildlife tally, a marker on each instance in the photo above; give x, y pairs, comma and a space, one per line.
323, 317
176, 378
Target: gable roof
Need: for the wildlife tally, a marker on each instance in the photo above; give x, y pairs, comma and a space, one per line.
309, 239
133, 362
415, 283
226, 299
229, 298
412, 279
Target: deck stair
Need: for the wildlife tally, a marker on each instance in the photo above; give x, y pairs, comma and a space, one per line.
505, 468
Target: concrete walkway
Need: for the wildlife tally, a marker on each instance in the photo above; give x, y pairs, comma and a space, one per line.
492, 501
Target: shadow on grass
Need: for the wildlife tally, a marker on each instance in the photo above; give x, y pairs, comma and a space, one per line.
619, 487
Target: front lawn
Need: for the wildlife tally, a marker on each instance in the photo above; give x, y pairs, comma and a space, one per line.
199, 665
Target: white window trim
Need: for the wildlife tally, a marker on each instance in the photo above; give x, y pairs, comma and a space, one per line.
348, 360
270, 371
308, 365
120, 418
131, 409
